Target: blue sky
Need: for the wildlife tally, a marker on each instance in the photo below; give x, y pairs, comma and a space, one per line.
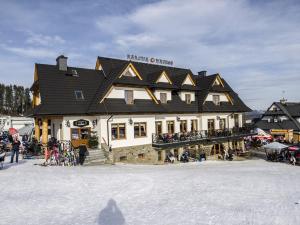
254, 45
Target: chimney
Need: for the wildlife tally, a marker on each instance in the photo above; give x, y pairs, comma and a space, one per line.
202, 73
283, 101
61, 62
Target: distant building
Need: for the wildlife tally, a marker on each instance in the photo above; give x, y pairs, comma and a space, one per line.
282, 119
16, 122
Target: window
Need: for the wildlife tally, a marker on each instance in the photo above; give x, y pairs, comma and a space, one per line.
222, 124
194, 125
141, 156
140, 130
80, 133
129, 96
216, 99
163, 98
158, 127
236, 120
170, 126
188, 98
183, 126
210, 126
79, 95
118, 131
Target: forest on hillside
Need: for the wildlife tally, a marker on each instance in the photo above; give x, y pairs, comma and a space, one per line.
14, 100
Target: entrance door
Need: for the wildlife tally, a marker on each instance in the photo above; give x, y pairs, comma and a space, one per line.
210, 126
80, 136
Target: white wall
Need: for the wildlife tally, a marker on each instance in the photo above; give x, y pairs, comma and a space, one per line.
119, 92
130, 139
223, 97
150, 120
182, 95
66, 131
226, 116
157, 94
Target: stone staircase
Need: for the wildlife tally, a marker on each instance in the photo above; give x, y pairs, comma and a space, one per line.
95, 157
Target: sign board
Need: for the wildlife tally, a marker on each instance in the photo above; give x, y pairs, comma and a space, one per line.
81, 123
152, 60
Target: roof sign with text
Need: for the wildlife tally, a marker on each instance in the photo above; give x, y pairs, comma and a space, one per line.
152, 60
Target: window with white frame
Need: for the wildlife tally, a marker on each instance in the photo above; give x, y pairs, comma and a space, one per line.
79, 95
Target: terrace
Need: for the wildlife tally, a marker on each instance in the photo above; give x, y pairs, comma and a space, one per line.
197, 137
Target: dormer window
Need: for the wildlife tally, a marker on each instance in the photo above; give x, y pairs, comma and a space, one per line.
163, 98
188, 98
129, 97
79, 95
75, 73
216, 99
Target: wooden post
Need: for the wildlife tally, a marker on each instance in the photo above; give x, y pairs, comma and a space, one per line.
37, 129
45, 131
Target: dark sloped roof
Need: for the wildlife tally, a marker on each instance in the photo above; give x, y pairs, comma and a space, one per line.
293, 108
286, 125
289, 109
57, 89
58, 97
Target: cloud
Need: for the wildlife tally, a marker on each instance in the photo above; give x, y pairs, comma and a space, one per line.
31, 52
44, 40
252, 44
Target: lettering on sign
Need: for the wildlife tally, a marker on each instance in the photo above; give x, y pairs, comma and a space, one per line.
152, 60
81, 123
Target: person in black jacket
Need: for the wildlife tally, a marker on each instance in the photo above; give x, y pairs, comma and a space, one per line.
15, 149
82, 154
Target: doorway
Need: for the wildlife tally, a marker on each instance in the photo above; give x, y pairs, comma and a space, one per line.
80, 136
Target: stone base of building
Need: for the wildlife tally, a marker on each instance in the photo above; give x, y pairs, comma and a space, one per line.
146, 154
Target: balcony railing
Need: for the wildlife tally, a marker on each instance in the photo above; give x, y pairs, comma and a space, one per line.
183, 138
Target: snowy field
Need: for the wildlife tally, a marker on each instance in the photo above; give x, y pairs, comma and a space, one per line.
245, 192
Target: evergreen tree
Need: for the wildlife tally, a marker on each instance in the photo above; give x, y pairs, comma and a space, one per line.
14, 99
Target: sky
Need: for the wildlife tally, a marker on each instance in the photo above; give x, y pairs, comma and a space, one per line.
254, 45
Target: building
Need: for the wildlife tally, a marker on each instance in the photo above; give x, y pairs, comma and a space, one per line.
137, 109
282, 120
16, 122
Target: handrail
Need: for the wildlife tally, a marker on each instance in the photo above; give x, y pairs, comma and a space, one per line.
198, 135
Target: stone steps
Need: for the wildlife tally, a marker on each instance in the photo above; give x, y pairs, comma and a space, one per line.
95, 157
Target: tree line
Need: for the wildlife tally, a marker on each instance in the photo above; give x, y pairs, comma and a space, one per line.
14, 100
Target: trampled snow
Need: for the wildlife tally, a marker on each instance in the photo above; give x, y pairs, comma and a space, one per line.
245, 192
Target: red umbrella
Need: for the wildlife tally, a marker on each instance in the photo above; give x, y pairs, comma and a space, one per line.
294, 148
12, 131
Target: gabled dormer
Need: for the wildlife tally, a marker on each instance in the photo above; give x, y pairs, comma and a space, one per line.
130, 71
188, 80
164, 78
218, 81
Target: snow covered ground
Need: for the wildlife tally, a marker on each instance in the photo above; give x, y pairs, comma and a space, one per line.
245, 192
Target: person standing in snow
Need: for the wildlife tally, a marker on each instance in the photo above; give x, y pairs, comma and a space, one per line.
15, 149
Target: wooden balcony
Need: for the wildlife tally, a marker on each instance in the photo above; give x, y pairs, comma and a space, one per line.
199, 137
